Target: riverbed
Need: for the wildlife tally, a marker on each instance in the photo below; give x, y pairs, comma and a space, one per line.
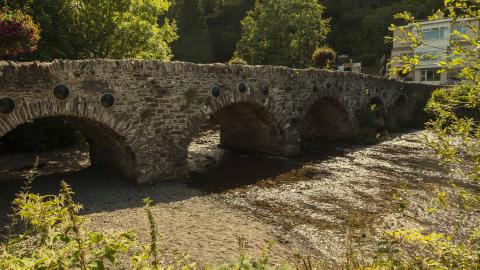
330, 200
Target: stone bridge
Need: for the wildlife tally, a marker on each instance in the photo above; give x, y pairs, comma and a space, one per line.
139, 117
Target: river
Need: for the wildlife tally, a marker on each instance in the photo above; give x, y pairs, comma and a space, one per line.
324, 204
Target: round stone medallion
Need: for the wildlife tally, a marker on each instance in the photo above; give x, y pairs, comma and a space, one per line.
216, 91
107, 100
242, 87
61, 92
7, 105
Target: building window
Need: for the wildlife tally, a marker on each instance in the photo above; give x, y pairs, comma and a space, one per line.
462, 29
430, 75
437, 33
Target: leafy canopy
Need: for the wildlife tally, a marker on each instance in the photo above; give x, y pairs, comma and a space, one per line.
282, 32
78, 29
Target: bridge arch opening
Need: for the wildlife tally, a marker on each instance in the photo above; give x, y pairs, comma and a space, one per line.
376, 109
325, 120
239, 128
69, 143
398, 115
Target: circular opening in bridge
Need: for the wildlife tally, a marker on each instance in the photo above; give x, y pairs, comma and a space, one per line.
325, 121
64, 145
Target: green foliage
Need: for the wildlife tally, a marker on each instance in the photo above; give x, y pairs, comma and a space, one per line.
101, 29
18, 33
438, 251
454, 137
282, 32
237, 61
224, 24
324, 57
450, 102
194, 43
54, 237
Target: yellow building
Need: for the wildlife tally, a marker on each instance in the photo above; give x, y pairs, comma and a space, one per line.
438, 38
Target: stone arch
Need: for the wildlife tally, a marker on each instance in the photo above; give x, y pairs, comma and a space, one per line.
378, 102
398, 113
331, 91
326, 118
248, 122
373, 114
110, 145
232, 101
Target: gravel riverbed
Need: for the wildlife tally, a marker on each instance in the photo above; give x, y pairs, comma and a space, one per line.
318, 204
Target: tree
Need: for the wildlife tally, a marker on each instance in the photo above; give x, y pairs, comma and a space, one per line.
79, 29
224, 24
18, 33
282, 32
194, 44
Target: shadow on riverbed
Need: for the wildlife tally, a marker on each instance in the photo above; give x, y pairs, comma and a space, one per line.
242, 170
102, 191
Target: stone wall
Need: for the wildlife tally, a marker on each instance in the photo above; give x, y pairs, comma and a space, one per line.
160, 106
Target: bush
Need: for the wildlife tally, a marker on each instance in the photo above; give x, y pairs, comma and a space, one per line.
438, 251
236, 60
324, 57
454, 99
18, 33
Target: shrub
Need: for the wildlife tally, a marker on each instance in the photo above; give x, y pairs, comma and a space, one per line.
18, 33
324, 57
237, 60
438, 251
453, 99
